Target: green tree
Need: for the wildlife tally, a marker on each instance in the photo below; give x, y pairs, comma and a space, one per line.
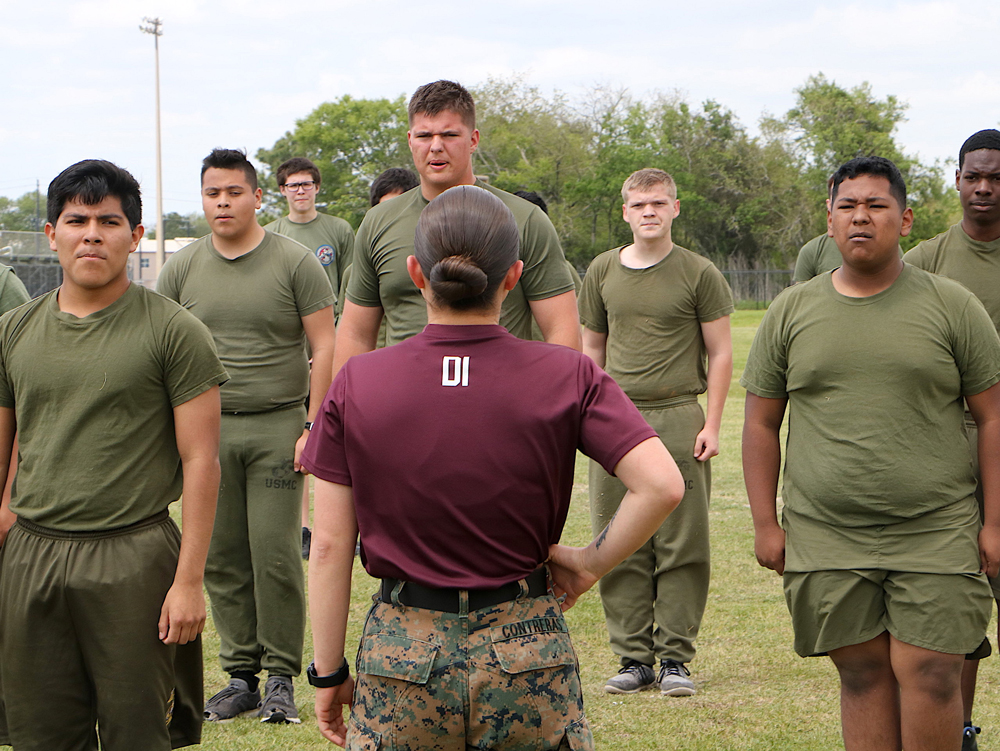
182, 225
351, 141
23, 214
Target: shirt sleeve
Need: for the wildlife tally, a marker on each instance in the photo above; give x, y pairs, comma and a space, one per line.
610, 424
977, 349
805, 263
191, 364
545, 272
715, 298
313, 290
168, 283
766, 370
593, 314
325, 454
363, 287
13, 292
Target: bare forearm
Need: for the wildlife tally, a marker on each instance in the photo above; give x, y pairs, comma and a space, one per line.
201, 492
357, 333
719, 377
320, 377
331, 560
761, 467
989, 471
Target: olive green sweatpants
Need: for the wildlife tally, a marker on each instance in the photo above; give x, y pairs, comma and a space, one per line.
80, 654
654, 599
254, 571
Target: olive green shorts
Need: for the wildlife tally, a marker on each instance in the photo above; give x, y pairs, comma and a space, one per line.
942, 612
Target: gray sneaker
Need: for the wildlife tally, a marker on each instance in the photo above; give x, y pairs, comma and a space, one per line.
279, 701
631, 679
234, 700
674, 680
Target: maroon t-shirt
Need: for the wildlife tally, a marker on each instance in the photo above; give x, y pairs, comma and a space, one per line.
460, 446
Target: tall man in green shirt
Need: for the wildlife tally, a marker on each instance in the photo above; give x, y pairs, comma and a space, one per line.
330, 237
443, 138
263, 296
652, 313
114, 394
881, 546
969, 252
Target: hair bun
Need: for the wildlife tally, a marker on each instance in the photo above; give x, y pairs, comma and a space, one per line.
457, 278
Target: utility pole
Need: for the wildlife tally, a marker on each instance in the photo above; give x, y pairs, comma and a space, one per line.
154, 26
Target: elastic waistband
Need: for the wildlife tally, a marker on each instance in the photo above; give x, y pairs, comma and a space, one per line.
58, 534
448, 600
248, 412
674, 401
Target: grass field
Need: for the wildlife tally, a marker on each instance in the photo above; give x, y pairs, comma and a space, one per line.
754, 692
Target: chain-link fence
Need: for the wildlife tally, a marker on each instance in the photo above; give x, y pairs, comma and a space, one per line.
35, 264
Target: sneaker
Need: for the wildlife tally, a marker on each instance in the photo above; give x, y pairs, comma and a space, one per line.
631, 679
234, 700
969, 742
307, 539
279, 701
674, 680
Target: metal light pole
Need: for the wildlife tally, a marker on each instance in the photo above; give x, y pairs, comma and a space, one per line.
154, 26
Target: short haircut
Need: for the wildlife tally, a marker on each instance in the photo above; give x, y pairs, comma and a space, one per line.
465, 242
443, 96
645, 179
230, 159
90, 182
984, 139
294, 165
394, 179
530, 195
876, 166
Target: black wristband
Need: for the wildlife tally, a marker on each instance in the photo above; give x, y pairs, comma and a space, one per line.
327, 681
309, 426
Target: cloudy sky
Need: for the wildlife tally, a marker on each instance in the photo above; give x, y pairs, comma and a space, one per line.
78, 76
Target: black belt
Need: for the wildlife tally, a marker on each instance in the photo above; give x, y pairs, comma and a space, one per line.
447, 600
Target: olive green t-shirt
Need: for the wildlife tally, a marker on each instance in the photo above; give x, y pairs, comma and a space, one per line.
94, 399
385, 239
653, 318
329, 237
817, 256
975, 264
254, 306
12, 290
874, 387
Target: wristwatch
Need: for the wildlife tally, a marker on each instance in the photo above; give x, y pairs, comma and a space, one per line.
327, 681
309, 426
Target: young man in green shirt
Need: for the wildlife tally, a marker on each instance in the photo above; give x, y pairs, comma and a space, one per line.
969, 252
114, 394
652, 313
443, 138
263, 296
330, 237
881, 546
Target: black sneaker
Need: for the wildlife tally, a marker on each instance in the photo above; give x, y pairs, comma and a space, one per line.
234, 700
969, 733
279, 701
674, 680
307, 539
631, 679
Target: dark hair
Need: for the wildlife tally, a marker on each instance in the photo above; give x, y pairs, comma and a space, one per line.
294, 165
530, 195
90, 182
984, 139
876, 166
392, 180
434, 98
230, 159
466, 241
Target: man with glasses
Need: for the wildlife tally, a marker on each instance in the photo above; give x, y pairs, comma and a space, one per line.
329, 237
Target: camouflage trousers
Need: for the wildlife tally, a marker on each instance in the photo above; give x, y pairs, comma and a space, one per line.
503, 677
